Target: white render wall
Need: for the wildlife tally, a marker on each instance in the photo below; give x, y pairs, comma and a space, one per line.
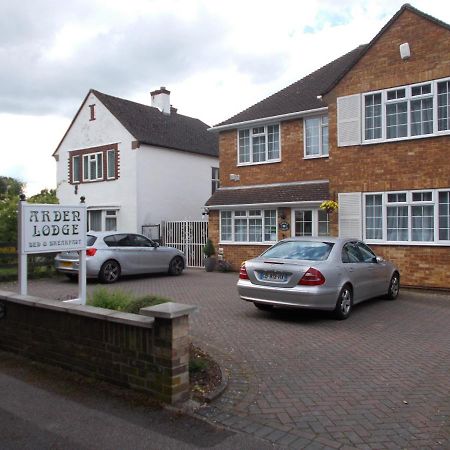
173, 184
83, 134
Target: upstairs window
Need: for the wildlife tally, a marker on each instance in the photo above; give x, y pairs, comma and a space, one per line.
215, 183
406, 112
93, 167
316, 136
259, 145
94, 164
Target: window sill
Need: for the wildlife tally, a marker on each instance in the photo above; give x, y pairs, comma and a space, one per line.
272, 161
408, 244
266, 243
316, 157
408, 138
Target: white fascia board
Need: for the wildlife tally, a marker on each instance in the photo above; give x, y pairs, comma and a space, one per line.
263, 205
278, 118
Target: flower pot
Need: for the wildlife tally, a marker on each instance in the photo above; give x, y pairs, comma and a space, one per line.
210, 264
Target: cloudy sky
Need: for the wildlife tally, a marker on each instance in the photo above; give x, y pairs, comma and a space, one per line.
216, 57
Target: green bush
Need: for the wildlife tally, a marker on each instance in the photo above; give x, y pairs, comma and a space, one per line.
122, 301
149, 300
209, 249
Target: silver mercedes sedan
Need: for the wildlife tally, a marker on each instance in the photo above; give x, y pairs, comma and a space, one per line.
317, 273
112, 254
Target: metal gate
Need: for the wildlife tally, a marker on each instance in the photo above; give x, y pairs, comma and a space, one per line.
189, 237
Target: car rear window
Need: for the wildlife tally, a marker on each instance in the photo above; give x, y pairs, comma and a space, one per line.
301, 250
90, 240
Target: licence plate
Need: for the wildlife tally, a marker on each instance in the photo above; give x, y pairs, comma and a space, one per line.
65, 264
273, 276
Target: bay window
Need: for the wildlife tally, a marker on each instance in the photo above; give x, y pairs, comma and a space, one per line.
253, 225
408, 216
259, 144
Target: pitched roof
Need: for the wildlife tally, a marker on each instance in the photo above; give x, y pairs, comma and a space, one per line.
279, 194
301, 95
405, 7
150, 126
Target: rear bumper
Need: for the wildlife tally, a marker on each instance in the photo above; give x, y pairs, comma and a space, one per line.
309, 297
71, 267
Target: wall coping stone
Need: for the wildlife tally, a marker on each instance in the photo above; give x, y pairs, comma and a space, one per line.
80, 310
169, 310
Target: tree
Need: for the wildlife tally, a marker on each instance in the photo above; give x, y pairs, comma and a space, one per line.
10, 189
45, 196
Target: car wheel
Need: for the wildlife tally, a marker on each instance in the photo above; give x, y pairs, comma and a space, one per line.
264, 306
394, 287
109, 272
176, 266
344, 303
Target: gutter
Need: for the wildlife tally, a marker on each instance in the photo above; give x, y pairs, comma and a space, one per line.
280, 117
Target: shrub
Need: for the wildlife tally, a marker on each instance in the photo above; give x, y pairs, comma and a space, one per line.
209, 249
122, 301
224, 266
149, 300
103, 298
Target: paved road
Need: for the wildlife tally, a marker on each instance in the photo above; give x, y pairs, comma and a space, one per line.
378, 380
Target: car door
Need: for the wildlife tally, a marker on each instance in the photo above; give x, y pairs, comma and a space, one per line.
379, 278
151, 259
358, 271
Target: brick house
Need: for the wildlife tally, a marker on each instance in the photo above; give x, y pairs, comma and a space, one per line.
370, 130
136, 164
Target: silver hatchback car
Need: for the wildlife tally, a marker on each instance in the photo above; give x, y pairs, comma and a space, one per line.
317, 273
112, 254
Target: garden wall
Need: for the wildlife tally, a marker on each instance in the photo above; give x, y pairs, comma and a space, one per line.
148, 352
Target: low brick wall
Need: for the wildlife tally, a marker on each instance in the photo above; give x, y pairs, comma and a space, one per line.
145, 353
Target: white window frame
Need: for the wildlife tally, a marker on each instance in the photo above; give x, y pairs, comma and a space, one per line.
266, 161
113, 177
321, 127
314, 218
247, 216
80, 169
104, 215
91, 156
408, 99
409, 203
215, 179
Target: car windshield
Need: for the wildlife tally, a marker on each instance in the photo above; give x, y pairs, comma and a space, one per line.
90, 240
303, 250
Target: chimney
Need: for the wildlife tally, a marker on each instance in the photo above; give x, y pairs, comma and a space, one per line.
161, 100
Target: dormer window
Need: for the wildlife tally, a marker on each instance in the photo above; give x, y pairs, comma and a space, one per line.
92, 110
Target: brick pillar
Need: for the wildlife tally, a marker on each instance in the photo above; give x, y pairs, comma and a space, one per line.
171, 350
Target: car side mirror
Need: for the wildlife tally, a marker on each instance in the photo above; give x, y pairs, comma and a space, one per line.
379, 259
155, 244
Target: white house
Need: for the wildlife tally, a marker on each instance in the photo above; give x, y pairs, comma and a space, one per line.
135, 164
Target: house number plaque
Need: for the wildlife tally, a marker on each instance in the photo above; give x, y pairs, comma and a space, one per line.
284, 226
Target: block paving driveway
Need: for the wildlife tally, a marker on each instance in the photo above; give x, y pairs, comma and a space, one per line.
379, 380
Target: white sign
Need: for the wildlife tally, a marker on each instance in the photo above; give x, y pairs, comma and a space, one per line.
53, 228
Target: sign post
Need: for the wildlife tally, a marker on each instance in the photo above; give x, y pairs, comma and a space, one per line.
52, 228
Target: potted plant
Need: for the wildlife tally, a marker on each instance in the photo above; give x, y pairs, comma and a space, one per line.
329, 206
209, 252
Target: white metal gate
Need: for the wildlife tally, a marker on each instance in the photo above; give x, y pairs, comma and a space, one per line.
189, 237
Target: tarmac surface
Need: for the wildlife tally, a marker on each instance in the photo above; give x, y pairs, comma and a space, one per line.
379, 380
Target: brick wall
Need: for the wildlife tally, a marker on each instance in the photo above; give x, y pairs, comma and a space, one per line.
131, 350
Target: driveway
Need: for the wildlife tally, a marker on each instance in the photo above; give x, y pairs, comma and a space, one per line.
378, 380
